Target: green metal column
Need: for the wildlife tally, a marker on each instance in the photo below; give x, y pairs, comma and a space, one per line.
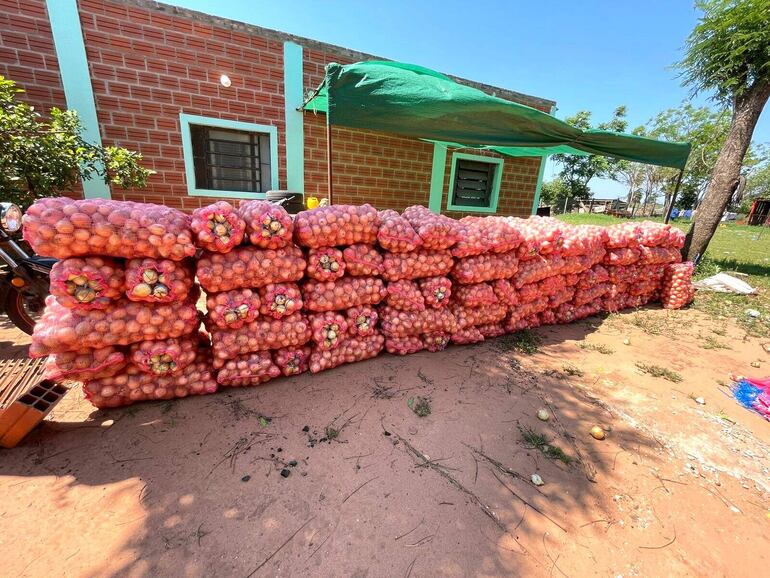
293, 98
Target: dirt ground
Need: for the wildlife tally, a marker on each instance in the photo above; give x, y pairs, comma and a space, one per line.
194, 488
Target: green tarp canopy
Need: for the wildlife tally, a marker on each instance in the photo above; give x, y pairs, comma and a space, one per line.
417, 102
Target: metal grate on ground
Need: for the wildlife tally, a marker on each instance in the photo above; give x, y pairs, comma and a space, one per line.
17, 376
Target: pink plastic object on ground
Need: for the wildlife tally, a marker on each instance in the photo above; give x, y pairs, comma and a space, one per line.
268, 225
404, 345
337, 225
328, 329
62, 228
436, 291
486, 267
351, 350
362, 260
248, 267
291, 331
158, 280
436, 341
436, 231
248, 369
232, 309
467, 336
470, 316
396, 234
415, 265
405, 295
343, 293
87, 282
165, 356
217, 227
123, 322
280, 299
134, 385
325, 264
84, 364
677, 290
397, 323
476, 295
362, 320
292, 360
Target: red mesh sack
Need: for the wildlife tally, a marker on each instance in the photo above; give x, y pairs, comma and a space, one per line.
529, 293
532, 308
653, 234
351, 350
551, 285
436, 341
250, 267
328, 329
571, 279
217, 227
63, 228
534, 270
362, 260
397, 323
467, 336
491, 330
436, 231
476, 295
623, 235
268, 225
659, 255
417, 264
87, 282
582, 239
361, 320
547, 317
342, 293
505, 292
165, 356
325, 264
676, 238
405, 295
548, 232
622, 256
158, 280
594, 275
436, 291
485, 267
292, 360
232, 309
529, 247
337, 225
134, 385
588, 294
404, 345
396, 234
248, 369
280, 299
562, 296
259, 335
472, 238
123, 322
84, 364
470, 316
677, 290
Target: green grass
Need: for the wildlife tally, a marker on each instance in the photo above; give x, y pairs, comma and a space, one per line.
542, 443
420, 406
524, 341
658, 371
598, 347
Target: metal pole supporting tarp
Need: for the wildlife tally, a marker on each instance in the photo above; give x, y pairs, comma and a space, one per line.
673, 197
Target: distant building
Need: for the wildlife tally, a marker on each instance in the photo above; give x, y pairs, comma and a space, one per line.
602, 206
760, 212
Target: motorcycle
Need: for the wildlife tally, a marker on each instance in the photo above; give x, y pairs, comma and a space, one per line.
24, 278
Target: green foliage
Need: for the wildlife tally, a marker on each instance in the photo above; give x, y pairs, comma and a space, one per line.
542, 443
420, 406
757, 181
44, 157
577, 170
728, 52
659, 371
553, 193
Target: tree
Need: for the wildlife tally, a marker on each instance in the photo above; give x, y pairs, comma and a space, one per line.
553, 193
578, 170
728, 54
43, 158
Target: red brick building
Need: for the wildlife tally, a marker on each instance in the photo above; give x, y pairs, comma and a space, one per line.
211, 104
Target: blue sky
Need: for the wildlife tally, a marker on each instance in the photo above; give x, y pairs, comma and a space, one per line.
586, 55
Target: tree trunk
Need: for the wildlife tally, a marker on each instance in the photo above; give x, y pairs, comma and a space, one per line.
726, 173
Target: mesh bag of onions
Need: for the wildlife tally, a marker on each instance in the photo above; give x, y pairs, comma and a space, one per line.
328, 329
217, 227
415, 265
475, 295
547, 234
165, 356
470, 316
436, 231
268, 225
491, 330
677, 289
248, 369
343, 293
623, 235
123, 322
435, 341
505, 292
405, 295
325, 264
404, 345
396, 234
87, 282
472, 238
349, 351
362, 260
336, 225
361, 320
487, 267
659, 255
280, 299
246, 267
232, 309
84, 364
467, 336
134, 385
292, 360
158, 280
622, 256
261, 334
436, 291
62, 228
396, 323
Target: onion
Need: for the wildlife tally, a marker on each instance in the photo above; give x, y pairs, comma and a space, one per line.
280, 299
475, 295
329, 329
87, 282
84, 364
336, 225
436, 231
248, 267
397, 323
362, 260
349, 351
325, 264
165, 356
232, 309
405, 295
404, 345
158, 280
248, 369
217, 227
269, 226
343, 293
362, 320
292, 360
417, 264
396, 234
436, 291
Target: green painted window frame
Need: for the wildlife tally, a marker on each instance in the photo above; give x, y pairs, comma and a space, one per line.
495, 193
185, 120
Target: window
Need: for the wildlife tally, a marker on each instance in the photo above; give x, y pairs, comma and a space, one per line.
226, 158
474, 183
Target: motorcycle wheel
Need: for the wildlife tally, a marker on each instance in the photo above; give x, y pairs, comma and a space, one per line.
16, 308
